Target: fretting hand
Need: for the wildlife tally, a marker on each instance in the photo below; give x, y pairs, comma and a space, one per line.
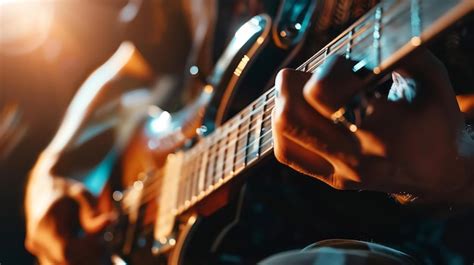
409, 142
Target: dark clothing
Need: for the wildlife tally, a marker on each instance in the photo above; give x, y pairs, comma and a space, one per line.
341, 252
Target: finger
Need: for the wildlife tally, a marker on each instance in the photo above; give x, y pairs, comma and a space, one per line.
332, 86
90, 219
300, 159
98, 223
296, 119
309, 163
287, 79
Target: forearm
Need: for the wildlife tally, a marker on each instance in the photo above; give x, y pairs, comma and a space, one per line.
42, 189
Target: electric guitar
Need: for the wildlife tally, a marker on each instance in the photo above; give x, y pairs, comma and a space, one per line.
176, 211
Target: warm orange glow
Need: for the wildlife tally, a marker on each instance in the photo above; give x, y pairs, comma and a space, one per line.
24, 24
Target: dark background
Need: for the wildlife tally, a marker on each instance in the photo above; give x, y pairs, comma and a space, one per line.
42, 82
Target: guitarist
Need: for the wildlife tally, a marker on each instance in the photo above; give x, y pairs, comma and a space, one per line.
64, 201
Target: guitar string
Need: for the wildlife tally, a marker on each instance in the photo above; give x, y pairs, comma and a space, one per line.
364, 19
154, 180
156, 193
214, 185
204, 145
347, 43
316, 61
270, 127
216, 165
269, 100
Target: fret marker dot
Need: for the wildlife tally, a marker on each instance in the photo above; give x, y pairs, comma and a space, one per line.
108, 236
192, 220
208, 89
415, 41
172, 241
138, 185
353, 128
193, 70
117, 196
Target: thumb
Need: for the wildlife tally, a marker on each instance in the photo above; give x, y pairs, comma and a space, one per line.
91, 220
97, 223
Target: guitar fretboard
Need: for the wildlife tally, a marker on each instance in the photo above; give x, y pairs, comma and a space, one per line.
237, 144
386, 34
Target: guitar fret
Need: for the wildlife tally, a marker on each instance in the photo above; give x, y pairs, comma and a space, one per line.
377, 35
339, 44
182, 190
269, 95
230, 151
416, 18
187, 188
253, 149
349, 45
202, 172
246, 137
317, 59
242, 133
265, 142
197, 174
219, 167
192, 176
210, 166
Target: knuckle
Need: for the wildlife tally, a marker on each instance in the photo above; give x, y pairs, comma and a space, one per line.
281, 119
316, 91
290, 79
337, 182
30, 244
282, 153
338, 185
282, 79
284, 74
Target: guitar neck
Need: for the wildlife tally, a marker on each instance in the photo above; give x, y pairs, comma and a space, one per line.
377, 41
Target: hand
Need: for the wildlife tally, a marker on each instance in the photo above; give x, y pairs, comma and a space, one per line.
63, 225
408, 142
